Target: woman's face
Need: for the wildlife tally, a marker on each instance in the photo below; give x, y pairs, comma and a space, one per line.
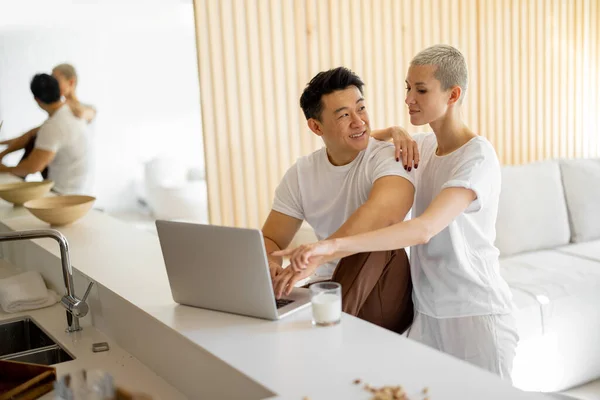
67, 86
426, 100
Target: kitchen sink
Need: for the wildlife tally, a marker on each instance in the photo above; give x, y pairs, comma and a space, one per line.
24, 340
45, 356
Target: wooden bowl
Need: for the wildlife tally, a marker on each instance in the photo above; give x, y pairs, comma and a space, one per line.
60, 210
21, 192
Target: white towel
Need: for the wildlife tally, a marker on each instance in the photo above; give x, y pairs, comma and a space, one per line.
26, 291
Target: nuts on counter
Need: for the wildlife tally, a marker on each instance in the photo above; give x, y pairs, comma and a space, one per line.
390, 392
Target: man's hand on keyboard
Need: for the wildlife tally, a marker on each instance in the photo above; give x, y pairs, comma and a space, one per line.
285, 281
275, 269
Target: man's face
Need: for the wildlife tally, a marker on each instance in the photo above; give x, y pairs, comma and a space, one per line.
426, 100
66, 85
344, 121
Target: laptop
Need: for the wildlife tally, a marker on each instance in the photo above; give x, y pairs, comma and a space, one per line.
223, 269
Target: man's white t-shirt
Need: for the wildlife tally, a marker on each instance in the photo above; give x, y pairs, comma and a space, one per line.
325, 195
457, 273
68, 137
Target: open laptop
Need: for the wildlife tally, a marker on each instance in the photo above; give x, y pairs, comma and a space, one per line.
223, 269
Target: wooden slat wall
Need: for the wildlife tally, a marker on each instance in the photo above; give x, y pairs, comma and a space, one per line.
534, 79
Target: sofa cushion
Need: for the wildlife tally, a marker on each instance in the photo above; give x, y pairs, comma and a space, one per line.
546, 277
549, 275
556, 297
581, 181
532, 214
588, 250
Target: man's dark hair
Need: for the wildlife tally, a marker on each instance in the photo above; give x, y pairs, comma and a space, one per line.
323, 83
45, 88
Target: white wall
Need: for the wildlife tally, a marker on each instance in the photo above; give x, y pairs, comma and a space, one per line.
137, 64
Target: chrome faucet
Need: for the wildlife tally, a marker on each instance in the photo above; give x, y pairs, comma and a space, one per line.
76, 308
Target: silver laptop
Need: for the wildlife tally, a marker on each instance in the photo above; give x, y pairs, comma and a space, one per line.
223, 269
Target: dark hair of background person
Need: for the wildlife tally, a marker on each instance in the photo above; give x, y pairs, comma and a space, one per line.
45, 88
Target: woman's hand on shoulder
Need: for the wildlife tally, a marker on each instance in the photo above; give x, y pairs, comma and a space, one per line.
75, 107
406, 149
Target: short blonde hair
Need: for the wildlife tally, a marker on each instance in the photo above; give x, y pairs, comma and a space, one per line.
451, 66
67, 70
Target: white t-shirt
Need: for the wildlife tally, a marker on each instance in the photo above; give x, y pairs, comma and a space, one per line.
457, 273
325, 195
68, 137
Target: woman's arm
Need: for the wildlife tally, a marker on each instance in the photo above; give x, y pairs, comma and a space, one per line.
80, 110
382, 134
88, 112
447, 205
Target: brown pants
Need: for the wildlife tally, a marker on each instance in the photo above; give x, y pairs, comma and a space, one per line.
377, 287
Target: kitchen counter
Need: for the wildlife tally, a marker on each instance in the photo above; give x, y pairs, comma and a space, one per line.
287, 359
127, 371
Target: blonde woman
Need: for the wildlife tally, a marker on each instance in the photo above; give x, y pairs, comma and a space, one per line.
66, 76
463, 306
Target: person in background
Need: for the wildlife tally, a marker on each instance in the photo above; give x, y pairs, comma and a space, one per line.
62, 143
463, 305
66, 75
67, 81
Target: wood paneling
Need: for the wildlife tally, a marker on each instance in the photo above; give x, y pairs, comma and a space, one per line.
533, 91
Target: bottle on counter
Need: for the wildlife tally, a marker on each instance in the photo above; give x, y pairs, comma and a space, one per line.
85, 385
92, 385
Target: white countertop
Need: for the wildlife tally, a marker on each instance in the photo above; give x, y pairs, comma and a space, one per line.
126, 370
289, 357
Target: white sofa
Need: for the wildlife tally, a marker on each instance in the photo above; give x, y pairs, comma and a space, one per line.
548, 233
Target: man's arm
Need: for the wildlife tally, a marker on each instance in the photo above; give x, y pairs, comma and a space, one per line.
389, 201
36, 162
278, 231
18, 143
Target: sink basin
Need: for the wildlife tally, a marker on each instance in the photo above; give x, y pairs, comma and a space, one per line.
23, 340
46, 356
22, 335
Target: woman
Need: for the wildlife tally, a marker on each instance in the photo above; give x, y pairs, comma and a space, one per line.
463, 306
66, 76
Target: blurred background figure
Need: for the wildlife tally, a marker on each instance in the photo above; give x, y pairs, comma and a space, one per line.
148, 108
66, 76
62, 142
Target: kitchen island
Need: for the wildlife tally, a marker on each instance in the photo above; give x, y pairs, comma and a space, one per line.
211, 355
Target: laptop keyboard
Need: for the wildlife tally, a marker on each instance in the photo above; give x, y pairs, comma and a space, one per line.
282, 302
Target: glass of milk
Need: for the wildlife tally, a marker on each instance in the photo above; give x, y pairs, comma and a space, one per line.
326, 301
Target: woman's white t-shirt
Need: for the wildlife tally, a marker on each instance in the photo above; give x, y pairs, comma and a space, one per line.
67, 136
457, 273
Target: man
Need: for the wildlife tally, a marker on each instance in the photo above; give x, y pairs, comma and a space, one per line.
353, 185
62, 144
